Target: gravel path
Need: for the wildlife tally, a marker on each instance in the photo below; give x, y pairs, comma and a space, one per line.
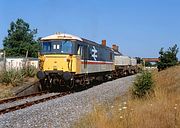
63, 112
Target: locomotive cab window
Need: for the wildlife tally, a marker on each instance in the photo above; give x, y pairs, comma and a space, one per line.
79, 50
66, 47
46, 46
82, 50
60, 46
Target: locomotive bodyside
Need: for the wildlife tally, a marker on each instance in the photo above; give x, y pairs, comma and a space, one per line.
98, 58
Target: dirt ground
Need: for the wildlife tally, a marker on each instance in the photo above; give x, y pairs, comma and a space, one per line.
6, 91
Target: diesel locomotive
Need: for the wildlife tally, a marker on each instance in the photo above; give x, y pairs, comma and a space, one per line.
69, 60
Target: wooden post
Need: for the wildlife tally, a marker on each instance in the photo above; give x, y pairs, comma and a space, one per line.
26, 59
4, 57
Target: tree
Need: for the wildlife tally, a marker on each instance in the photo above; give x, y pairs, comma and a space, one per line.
148, 64
168, 58
20, 39
139, 60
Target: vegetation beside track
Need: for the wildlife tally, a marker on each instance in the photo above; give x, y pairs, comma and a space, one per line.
159, 109
13, 78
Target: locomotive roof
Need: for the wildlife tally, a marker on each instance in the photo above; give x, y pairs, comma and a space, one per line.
59, 36
94, 43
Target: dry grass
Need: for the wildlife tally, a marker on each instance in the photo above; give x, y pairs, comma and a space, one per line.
5, 91
160, 111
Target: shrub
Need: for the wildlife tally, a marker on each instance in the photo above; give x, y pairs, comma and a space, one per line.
143, 85
13, 77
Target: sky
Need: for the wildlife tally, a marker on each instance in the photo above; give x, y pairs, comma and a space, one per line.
139, 27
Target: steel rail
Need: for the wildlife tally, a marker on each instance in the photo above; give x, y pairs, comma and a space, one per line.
27, 104
21, 97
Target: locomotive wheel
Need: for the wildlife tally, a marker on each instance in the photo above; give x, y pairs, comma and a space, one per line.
70, 84
132, 72
43, 85
55, 84
125, 73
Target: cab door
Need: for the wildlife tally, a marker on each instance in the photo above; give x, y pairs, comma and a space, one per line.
83, 52
85, 56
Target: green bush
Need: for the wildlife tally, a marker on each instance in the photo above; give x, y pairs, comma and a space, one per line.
143, 85
13, 77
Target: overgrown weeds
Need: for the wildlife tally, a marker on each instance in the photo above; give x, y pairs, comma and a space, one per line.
29, 71
13, 77
16, 77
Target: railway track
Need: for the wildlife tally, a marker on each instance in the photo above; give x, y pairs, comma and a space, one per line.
21, 97
20, 105
27, 104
